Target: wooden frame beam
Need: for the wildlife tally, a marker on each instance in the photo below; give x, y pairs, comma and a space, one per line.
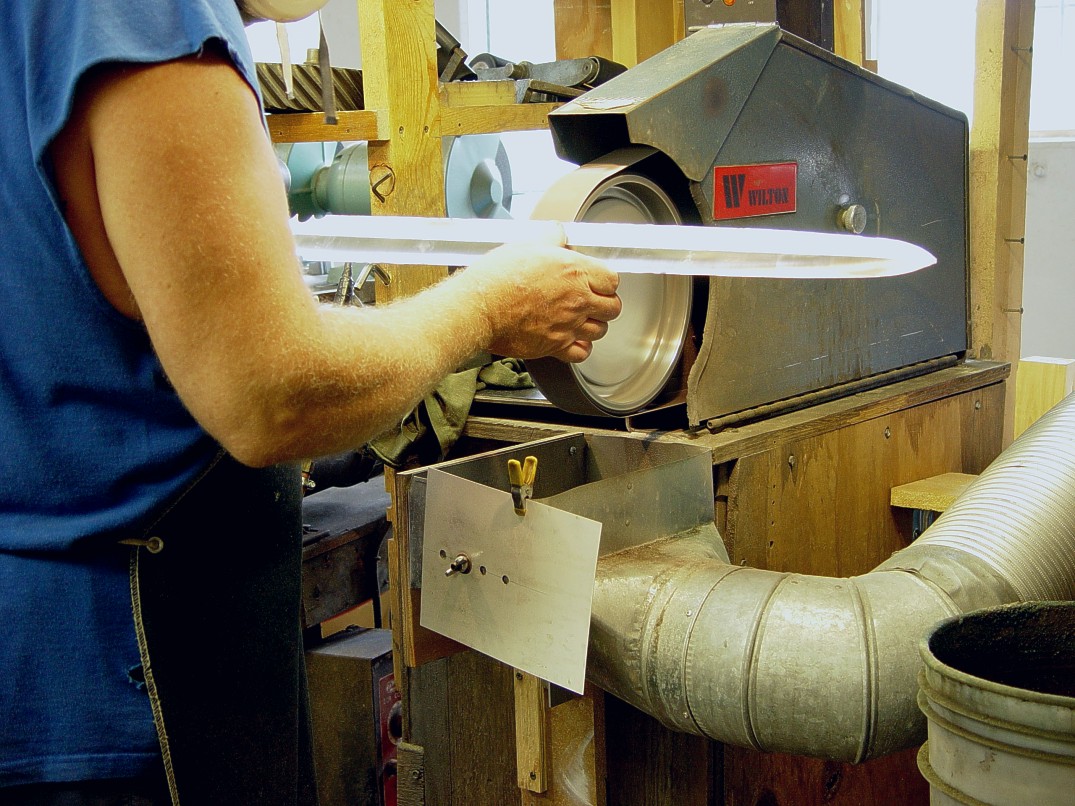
998, 145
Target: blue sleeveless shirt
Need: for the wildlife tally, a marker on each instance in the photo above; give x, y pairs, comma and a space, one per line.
93, 439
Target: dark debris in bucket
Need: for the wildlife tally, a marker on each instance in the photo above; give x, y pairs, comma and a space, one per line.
1029, 646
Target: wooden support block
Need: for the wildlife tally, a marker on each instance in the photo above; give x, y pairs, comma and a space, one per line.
1040, 384
934, 494
310, 127
458, 94
531, 732
493, 119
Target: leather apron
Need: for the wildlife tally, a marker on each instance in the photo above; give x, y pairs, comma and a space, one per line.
215, 589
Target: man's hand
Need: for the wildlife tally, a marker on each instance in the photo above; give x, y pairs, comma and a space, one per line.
544, 300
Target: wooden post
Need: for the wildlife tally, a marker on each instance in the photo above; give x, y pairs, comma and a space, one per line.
583, 28
849, 24
399, 64
999, 140
641, 28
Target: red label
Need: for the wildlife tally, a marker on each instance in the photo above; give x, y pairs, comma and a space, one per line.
388, 697
743, 191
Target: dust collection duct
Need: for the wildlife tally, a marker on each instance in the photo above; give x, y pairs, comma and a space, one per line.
820, 666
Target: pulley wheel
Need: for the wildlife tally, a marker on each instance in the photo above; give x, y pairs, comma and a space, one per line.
630, 367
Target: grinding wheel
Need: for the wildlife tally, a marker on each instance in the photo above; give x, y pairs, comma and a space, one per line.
631, 366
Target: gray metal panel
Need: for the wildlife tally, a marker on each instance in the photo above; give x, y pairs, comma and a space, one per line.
594, 476
855, 140
523, 594
561, 466
683, 101
647, 504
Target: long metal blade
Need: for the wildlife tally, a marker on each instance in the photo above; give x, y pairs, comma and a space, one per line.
626, 248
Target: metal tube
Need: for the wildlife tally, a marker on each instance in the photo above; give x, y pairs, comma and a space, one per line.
823, 666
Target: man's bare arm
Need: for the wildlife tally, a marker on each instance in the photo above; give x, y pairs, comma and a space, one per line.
182, 205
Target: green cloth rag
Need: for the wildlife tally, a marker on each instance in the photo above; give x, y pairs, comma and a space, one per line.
435, 424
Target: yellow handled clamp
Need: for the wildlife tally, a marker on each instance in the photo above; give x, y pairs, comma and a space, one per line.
521, 478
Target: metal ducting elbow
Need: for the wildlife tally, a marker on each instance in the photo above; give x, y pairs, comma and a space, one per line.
822, 666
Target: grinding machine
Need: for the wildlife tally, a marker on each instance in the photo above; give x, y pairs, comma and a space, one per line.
616, 575
746, 125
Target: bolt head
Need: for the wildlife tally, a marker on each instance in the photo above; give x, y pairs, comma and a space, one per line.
853, 218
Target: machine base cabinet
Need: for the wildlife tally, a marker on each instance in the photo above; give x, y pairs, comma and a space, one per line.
805, 492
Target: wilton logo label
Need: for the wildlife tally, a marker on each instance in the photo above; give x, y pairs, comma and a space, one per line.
744, 191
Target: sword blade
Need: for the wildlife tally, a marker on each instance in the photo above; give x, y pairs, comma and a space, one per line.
626, 248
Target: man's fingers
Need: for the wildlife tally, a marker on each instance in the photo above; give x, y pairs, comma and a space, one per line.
576, 352
602, 281
605, 308
592, 330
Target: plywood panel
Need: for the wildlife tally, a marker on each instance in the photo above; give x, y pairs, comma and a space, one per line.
649, 764
885, 453
982, 426
771, 779
746, 527
481, 713
802, 495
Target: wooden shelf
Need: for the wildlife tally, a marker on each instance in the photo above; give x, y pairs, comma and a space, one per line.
935, 494
481, 112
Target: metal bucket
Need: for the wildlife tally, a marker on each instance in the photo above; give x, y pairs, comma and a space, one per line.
998, 691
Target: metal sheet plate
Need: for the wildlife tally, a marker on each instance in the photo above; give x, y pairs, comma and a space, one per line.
526, 599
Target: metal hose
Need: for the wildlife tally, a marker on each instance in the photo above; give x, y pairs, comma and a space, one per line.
822, 666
